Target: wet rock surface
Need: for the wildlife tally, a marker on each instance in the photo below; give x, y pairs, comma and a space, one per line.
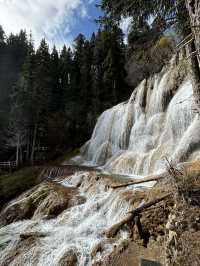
78, 234
46, 200
58, 225
70, 258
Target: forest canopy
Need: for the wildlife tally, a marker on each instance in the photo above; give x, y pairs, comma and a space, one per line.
50, 100
151, 23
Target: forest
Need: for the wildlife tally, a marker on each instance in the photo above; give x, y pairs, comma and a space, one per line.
99, 139
50, 100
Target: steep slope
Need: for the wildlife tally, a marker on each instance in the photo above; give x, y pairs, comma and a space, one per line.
158, 121
79, 219
64, 220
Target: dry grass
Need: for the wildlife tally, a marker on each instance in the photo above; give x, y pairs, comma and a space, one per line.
184, 180
189, 251
185, 184
13, 184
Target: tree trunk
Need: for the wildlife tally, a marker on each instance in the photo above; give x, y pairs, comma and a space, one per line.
34, 143
28, 145
195, 76
193, 7
17, 150
21, 154
130, 215
144, 180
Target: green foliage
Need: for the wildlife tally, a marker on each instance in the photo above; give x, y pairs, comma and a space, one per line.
56, 131
56, 98
2, 36
149, 50
150, 22
164, 41
164, 13
13, 51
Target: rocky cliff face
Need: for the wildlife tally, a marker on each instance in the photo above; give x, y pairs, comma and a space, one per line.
193, 7
157, 121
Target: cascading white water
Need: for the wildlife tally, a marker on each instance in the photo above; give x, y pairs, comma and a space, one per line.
131, 138
79, 228
158, 121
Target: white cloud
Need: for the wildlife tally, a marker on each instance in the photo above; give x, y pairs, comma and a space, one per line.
52, 19
125, 26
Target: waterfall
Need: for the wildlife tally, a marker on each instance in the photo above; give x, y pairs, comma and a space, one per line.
158, 121
79, 229
132, 138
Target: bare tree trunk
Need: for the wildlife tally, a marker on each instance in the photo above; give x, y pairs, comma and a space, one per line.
17, 150
195, 76
143, 180
130, 215
21, 154
193, 7
34, 143
28, 145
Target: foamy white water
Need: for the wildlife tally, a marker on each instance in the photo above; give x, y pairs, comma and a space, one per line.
157, 122
132, 138
79, 228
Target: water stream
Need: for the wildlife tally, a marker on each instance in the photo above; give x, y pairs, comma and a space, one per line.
80, 228
158, 121
132, 138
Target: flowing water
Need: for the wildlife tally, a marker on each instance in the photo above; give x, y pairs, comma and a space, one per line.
132, 138
80, 228
158, 121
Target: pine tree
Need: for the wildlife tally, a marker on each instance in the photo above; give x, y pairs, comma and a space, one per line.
57, 94
66, 66
41, 96
2, 37
22, 110
65, 92
17, 124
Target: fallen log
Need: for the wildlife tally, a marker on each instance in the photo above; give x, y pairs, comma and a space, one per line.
139, 181
27, 235
130, 215
149, 204
110, 233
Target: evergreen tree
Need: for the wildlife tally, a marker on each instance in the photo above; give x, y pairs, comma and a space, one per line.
22, 110
13, 51
41, 96
57, 94
2, 37
165, 13
66, 66
59, 97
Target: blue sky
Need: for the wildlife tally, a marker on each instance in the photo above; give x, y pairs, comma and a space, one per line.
87, 25
59, 21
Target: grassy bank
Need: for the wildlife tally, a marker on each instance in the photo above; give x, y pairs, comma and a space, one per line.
13, 184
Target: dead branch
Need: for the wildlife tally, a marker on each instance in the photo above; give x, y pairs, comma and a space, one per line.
184, 40
130, 215
149, 204
116, 227
139, 181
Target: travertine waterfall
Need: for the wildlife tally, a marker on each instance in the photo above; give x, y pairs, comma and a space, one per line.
158, 121
131, 138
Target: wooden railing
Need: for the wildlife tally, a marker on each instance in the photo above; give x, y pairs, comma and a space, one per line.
51, 172
8, 165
